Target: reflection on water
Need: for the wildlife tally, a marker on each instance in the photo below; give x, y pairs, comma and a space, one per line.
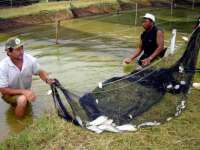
90, 50
16, 125
10, 124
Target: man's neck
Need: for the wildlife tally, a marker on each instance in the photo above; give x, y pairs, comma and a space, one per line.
150, 28
17, 62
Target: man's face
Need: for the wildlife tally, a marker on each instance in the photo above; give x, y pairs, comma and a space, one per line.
17, 53
147, 24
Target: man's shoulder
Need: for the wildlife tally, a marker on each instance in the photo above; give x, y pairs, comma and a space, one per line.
4, 63
159, 29
29, 57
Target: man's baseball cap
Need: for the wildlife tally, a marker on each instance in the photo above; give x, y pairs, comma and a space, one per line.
150, 16
13, 42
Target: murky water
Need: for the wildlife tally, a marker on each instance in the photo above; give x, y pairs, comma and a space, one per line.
90, 50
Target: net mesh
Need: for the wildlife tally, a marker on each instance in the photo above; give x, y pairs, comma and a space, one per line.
154, 94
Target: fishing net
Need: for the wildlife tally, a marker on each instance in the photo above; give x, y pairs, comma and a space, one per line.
147, 97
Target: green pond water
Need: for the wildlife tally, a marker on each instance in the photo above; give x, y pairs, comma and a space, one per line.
90, 50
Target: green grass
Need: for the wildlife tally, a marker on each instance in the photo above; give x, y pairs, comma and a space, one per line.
51, 132
32, 9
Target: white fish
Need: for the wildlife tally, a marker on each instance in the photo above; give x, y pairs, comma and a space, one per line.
127, 127
170, 118
98, 121
181, 69
178, 112
155, 123
107, 127
97, 101
176, 87
113, 124
130, 116
177, 108
169, 86
185, 38
109, 122
100, 85
94, 129
49, 92
196, 85
182, 82
183, 104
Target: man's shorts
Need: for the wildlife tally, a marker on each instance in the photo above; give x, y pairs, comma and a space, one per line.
12, 100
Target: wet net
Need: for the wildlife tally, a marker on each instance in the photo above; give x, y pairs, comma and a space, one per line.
148, 97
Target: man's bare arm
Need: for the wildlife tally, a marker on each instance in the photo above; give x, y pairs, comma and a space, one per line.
11, 91
45, 77
135, 54
30, 96
137, 51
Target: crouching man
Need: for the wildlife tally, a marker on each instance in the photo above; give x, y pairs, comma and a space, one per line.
16, 71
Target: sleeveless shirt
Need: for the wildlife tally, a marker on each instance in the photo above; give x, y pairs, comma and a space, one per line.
149, 41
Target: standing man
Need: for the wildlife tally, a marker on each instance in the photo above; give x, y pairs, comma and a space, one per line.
16, 72
151, 43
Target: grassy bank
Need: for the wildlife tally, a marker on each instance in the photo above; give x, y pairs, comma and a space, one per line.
50, 132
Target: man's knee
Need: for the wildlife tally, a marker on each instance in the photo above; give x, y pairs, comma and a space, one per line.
22, 101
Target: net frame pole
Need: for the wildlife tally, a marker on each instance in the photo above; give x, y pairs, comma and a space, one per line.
172, 8
136, 13
11, 3
193, 3
57, 29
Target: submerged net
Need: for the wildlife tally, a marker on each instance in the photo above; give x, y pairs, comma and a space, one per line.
148, 97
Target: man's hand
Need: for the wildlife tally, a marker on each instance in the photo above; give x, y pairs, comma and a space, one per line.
146, 61
30, 96
44, 76
50, 81
127, 61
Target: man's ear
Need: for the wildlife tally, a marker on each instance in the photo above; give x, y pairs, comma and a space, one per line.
152, 22
8, 51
